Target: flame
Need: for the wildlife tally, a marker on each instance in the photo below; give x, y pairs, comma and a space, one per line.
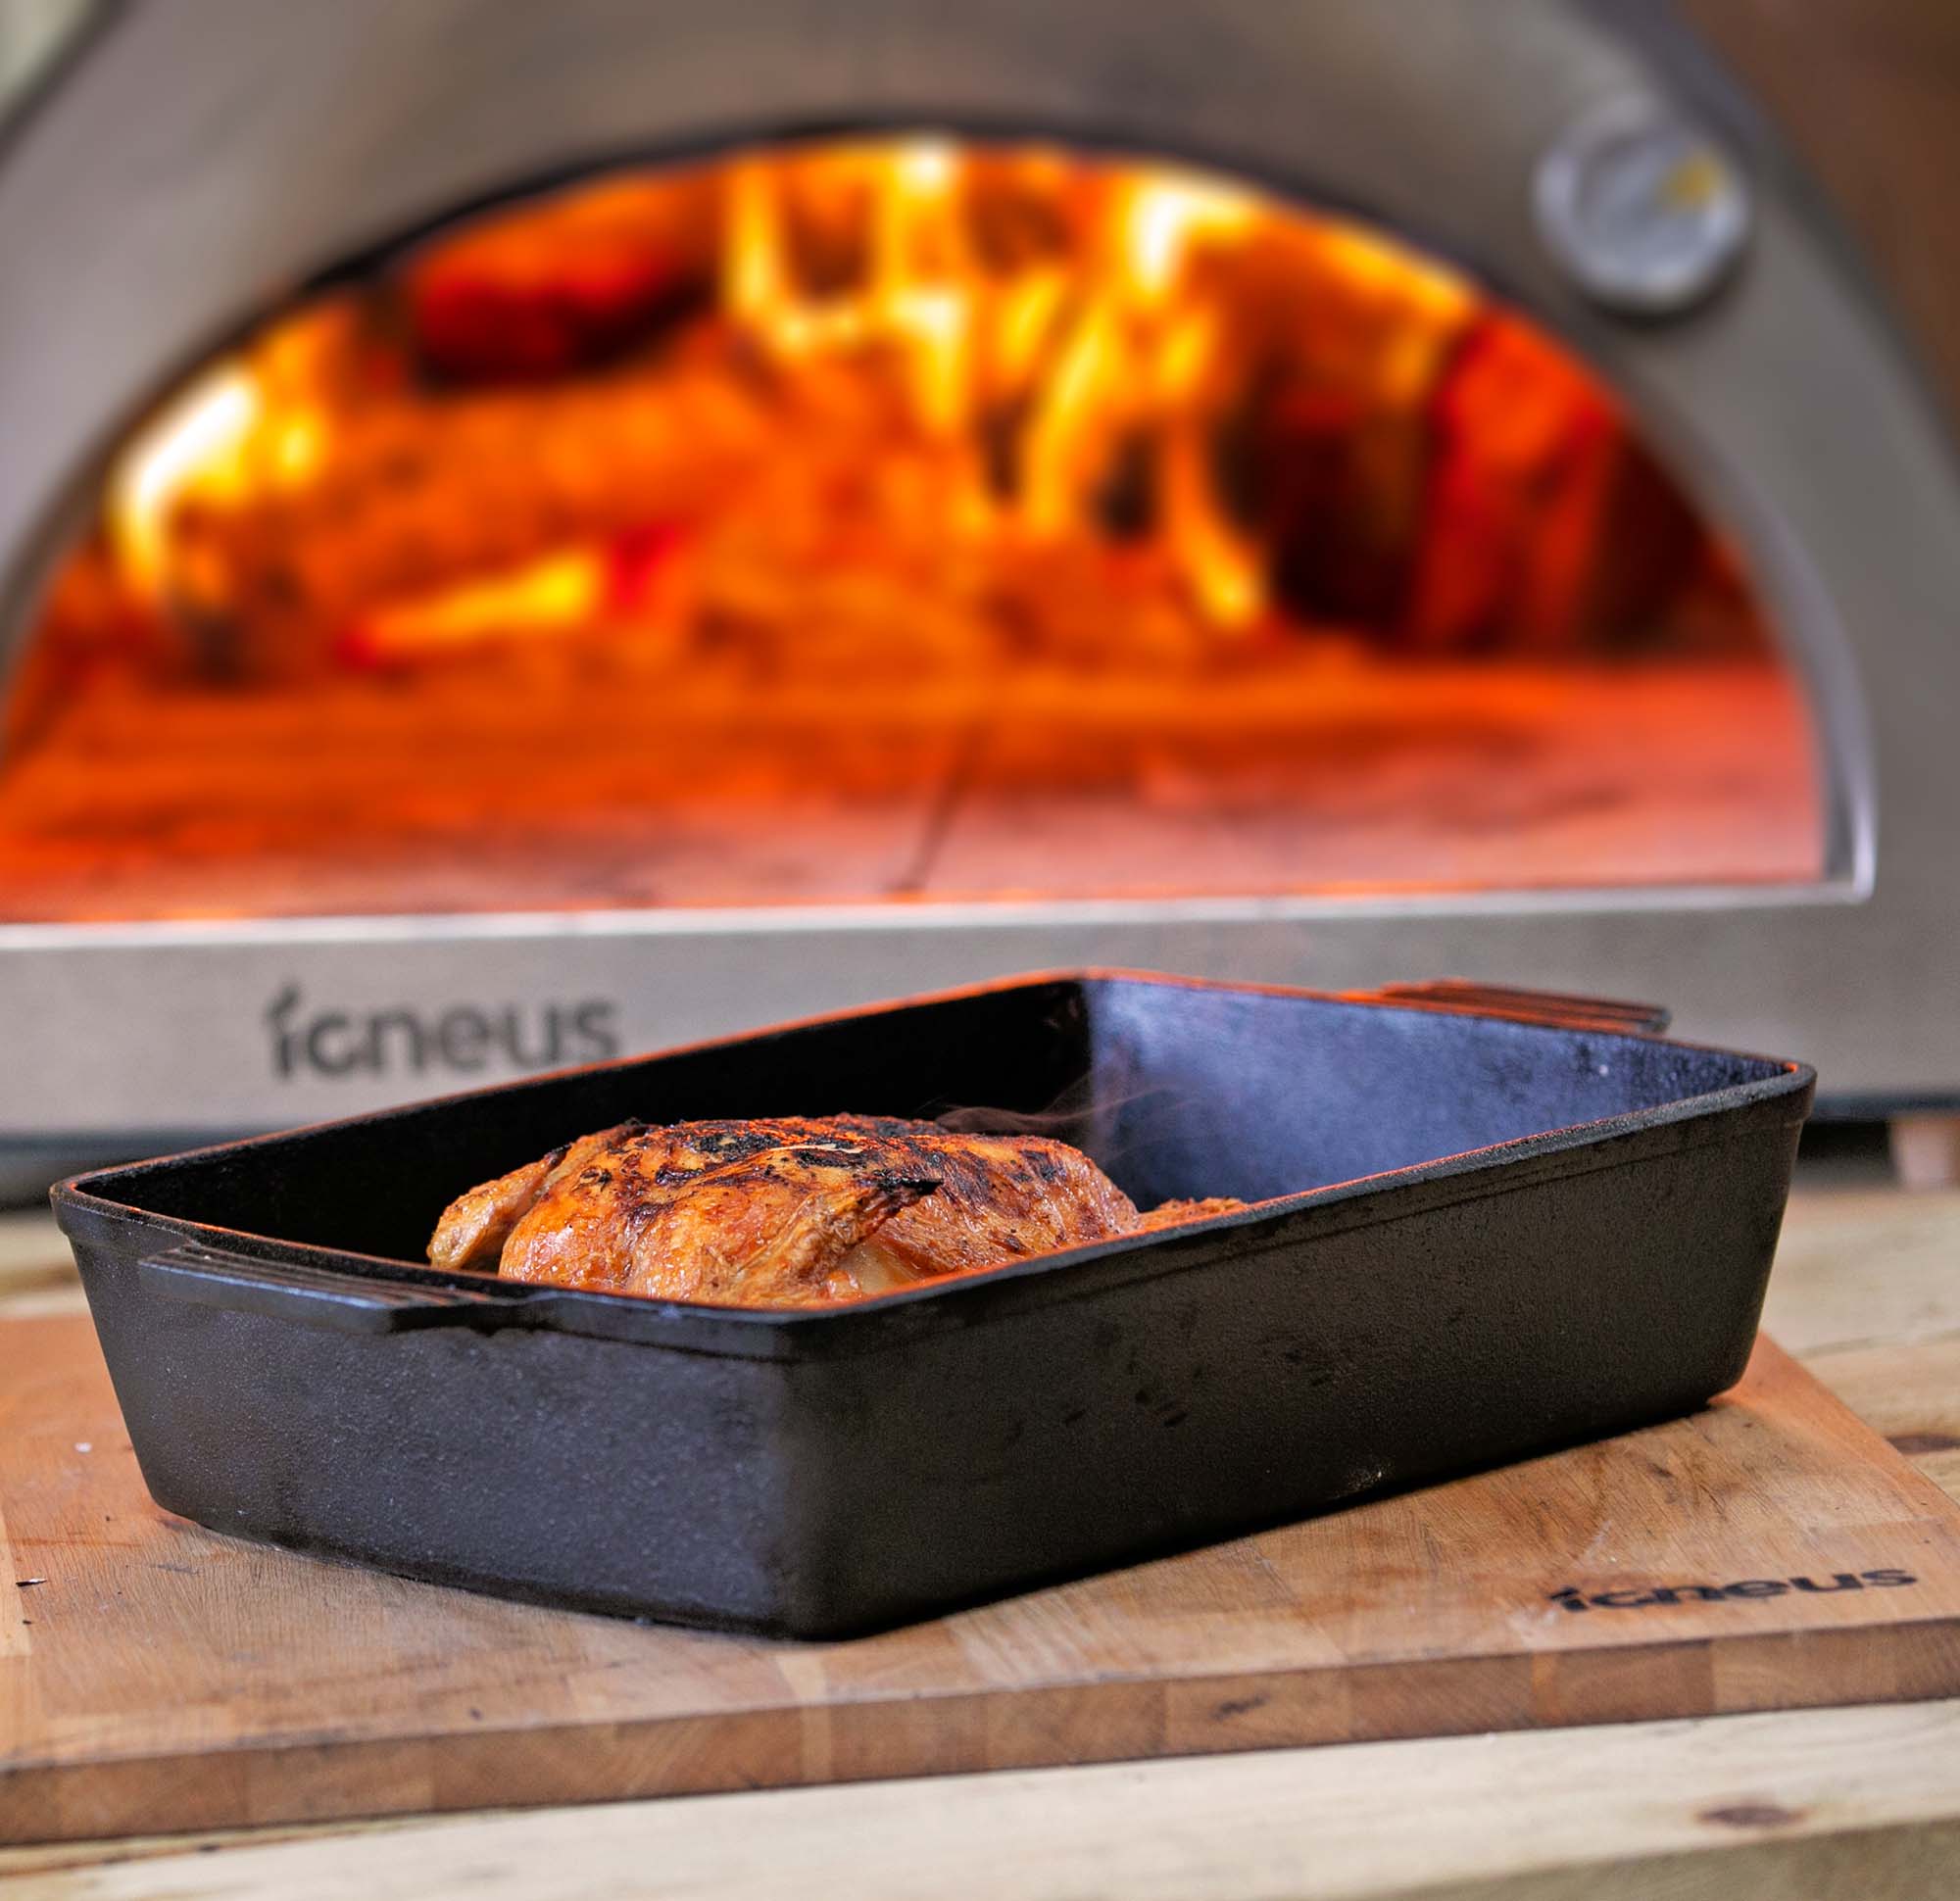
1014, 379
245, 425
196, 445
1116, 352
1161, 219
754, 278
1137, 358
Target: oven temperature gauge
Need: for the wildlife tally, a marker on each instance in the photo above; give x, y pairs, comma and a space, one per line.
1642, 209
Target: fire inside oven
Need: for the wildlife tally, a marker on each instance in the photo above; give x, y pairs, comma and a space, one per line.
892, 519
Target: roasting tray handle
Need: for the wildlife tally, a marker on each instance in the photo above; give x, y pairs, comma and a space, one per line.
1462, 996
320, 1297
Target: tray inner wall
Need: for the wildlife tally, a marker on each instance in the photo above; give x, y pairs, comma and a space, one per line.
1176, 1090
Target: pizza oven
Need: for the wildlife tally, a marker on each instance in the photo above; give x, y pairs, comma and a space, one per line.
529, 533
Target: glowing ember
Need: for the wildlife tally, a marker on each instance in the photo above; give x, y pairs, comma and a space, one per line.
563, 591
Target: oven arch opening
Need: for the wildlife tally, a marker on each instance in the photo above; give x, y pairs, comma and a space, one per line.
893, 519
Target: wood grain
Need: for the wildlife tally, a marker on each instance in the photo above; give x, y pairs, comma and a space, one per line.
1374, 1818
1910, 1395
175, 1678
37, 1274
1865, 1267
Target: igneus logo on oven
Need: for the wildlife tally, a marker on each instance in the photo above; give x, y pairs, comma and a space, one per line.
464, 1038
1570, 1597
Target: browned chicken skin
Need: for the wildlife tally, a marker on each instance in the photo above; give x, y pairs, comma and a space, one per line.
793, 1211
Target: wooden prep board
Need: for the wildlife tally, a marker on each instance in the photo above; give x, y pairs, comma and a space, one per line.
162, 1678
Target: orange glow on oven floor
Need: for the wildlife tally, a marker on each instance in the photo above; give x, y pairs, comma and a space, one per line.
1341, 773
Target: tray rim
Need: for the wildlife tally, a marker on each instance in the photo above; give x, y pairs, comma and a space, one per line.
1474, 1174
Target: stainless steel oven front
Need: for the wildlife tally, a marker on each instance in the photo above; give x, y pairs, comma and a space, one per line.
1547, 182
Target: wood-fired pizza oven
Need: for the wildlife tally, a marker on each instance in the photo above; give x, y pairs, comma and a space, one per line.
527, 533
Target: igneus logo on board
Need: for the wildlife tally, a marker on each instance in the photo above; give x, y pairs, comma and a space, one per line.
1569, 1597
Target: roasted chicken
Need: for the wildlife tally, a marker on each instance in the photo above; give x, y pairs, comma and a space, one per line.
795, 1211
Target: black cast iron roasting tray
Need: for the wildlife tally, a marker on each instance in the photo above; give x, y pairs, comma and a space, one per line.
1489, 1223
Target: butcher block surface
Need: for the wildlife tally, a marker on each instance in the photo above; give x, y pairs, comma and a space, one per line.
156, 1676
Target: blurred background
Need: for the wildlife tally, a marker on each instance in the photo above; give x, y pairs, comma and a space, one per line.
532, 533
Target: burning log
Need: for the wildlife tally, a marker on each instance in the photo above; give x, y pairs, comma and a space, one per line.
529, 298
